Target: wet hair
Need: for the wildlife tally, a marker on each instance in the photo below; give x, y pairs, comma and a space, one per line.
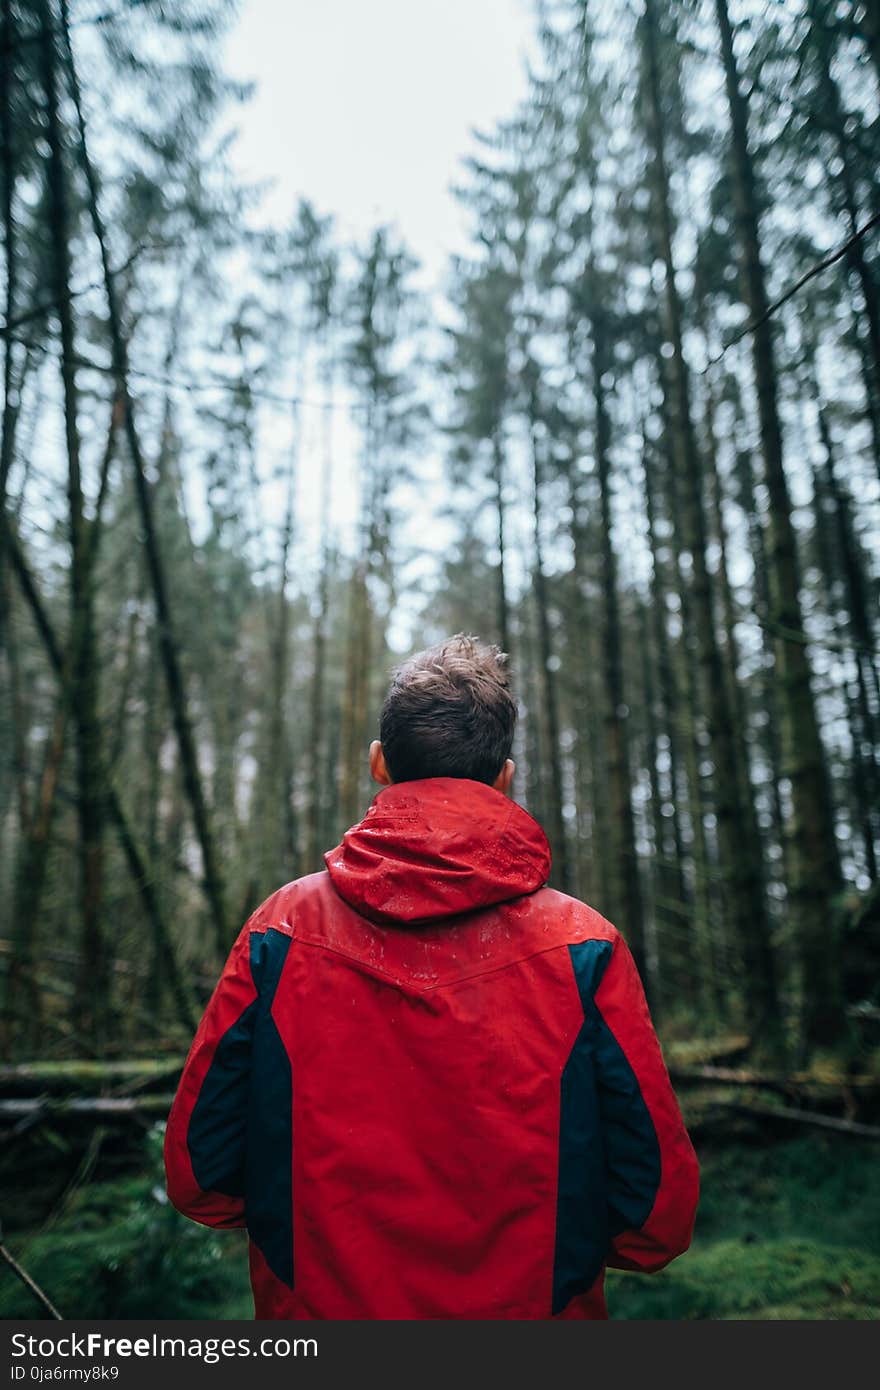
449, 713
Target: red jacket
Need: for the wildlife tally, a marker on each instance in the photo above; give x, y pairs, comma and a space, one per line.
429, 1086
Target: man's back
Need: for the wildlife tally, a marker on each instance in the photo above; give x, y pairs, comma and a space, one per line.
429, 1085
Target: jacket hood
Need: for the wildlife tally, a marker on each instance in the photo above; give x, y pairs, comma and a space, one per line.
435, 848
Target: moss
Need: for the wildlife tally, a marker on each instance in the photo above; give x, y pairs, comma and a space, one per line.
790, 1230
122, 1251
785, 1230
145, 1261
743, 1278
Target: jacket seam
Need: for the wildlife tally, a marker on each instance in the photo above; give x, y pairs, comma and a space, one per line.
635, 1230
443, 984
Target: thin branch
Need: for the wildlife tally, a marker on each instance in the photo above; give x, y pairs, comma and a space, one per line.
792, 290
191, 385
45, 306
30, 1283
48, 31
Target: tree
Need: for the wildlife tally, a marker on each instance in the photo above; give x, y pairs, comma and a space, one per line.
813, 862
743, 879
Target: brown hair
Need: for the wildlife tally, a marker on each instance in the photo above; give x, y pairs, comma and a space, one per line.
449, 713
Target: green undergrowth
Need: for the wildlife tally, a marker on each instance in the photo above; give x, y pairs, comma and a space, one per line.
120, 1250
789, 1229
785, 1230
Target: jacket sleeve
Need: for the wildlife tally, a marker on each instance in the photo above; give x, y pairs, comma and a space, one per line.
206, 1130
651, 1167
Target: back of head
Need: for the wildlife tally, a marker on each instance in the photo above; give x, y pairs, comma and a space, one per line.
449, 713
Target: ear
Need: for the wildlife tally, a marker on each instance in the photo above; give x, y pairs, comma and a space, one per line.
378, 771
505, 777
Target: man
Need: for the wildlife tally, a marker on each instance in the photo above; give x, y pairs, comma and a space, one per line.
426, 1083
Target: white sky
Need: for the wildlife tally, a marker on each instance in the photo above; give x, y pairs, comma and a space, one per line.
366, 106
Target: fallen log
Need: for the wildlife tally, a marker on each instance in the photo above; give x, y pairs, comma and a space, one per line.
797, 1081
90, 1073
13, 1111
697, 1052
804, 1117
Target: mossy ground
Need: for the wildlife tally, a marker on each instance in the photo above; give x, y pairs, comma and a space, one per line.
789, 1229
785, 1230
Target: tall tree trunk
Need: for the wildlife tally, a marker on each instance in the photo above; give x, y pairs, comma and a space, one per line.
872, 401
864, 724
683, 915
593, 832
333, 817
276, 773
93, 987
625, 886
866, 22
317, 826
670, 696
769, 693
843, 183
152, 736
699, 956
813, 859
21, 724
143, 874
752, 839
11, 389
10, 246
22, 1003
830, 565
556, 819
356, 688
502, 611
742, 879
213, 879
660, 910
31, 877
348, 771
534, 733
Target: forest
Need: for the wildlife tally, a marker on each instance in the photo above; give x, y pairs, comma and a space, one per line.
633, 438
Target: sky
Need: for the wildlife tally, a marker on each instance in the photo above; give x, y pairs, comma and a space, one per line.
366, 106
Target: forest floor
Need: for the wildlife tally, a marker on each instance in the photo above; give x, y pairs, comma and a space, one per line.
787, 1229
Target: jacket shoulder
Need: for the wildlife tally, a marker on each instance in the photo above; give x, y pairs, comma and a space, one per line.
561, 919
279, 912
310, 911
